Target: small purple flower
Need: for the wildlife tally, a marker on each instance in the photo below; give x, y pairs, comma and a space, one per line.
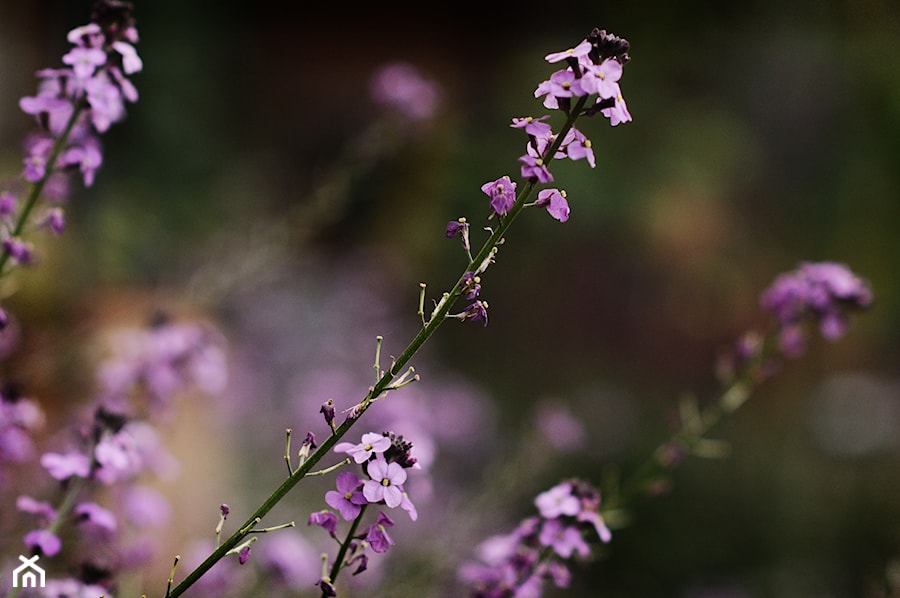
386, 482
84, 61
578, 51
327, 411
603, 79
377, 535
578, 146
244, 555
558, 501
564, 84
564, 539
347, 499
97, 515
556, 203
46, 542
502, 193
533, 126
62, 467
475, 311
401, 87
372, 444
8, 203
618, 113
18, 250
533, 167
459, 227
324, 519
43, 509
824, 291
471, 285
55, 220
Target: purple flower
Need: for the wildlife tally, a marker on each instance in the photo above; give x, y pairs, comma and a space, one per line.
603, 79
8, 203
244, 555
558, 501
44, 541
502, 193
372, 444
62, 467
578, 146
564, 539
84, 61
533, 126
347, 499
618, 113
401, 87
324, 519
386, 482
475, 311
556, 203
459, 227
377, 535
43, 509
471, 285
564, 84
533, 167
578, 51
97, 515
18, 250
824, 291
327, 411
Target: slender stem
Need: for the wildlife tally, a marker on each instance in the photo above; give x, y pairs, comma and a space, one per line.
38, 186
342, 553
384, 382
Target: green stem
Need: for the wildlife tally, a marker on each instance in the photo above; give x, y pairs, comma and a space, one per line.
38, 187
342, 553
383, 384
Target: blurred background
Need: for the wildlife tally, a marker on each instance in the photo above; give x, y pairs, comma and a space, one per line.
257, 185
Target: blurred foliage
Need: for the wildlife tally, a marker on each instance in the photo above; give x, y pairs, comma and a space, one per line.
764, 133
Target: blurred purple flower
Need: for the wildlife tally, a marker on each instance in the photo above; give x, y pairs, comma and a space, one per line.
62, 467
401, 87
43, 540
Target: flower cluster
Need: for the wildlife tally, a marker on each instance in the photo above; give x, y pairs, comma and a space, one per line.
385, 459
593, 70
73, 105
120, 443
517, 564
823, 291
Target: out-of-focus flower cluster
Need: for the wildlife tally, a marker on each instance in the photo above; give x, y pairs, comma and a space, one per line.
73, 105
825, 292
518, 564
145, 371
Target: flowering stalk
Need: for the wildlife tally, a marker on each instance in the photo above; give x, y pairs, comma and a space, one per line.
816, 294
542, 150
